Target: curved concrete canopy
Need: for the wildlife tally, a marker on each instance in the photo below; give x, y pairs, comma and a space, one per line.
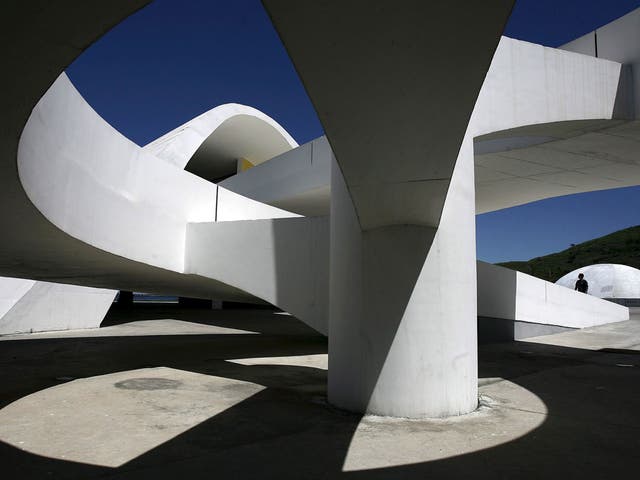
606, 280
211, 144
574, 157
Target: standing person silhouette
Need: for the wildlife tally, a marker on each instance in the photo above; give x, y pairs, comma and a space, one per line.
582, 285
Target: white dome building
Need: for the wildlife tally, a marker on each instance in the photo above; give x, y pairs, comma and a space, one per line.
607, 280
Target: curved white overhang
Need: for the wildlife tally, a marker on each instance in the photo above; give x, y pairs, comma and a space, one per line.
529, 84
99, 187
211, 144
581, 156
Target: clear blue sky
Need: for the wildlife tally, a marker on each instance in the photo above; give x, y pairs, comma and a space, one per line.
174, 60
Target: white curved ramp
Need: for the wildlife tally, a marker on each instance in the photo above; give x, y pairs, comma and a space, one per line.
99, 187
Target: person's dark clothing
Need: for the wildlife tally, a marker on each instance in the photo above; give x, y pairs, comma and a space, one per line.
582, 285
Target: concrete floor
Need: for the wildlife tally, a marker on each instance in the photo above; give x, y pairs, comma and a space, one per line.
163, 392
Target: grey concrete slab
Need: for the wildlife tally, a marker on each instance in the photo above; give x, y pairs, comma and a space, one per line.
170, 392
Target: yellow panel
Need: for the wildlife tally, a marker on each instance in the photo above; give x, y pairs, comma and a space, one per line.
244, 164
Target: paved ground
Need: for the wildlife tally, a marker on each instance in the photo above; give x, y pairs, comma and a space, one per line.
168, 393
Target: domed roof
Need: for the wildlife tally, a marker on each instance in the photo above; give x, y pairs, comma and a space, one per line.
607, 280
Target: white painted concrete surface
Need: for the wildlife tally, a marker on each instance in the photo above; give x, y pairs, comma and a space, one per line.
543, 128
397, 204
223, 134
99, 187
401, 343
530, 84
233, 207
617, 41
28, 306
512, 295
297, 180
104, 190
282, 261
11, 291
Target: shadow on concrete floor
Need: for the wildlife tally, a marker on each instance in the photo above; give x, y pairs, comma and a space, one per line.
592, 429
256, 320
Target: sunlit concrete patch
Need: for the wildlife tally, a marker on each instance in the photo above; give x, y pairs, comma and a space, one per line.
314, 361
111, 419
508, 411
624, 335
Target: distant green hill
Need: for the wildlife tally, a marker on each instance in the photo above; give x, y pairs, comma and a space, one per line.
621, 247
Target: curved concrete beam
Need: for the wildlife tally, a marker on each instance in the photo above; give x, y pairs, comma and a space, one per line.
211, 144
98, 186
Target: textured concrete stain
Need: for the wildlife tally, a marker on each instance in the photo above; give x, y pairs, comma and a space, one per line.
148, 384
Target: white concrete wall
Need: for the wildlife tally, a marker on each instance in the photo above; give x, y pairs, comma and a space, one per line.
496, 291
44, 306
547, 116
94, 184
11, 291
527, 84
298, 180
617, 41
232, 207
530, 84
511, 295
282, 261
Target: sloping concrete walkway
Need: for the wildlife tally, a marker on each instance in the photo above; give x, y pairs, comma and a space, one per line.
164, 392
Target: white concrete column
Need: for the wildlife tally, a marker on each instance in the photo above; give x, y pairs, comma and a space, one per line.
402, 325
